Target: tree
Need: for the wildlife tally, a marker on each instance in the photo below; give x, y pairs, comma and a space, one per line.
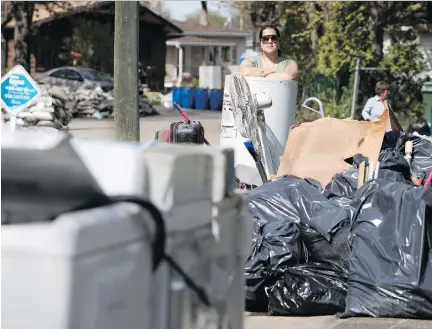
22, 12
160, 8
93, 40
214, 18
326, 38
258, 13
366, 24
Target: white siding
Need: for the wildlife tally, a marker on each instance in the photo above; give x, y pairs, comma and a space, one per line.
426, 45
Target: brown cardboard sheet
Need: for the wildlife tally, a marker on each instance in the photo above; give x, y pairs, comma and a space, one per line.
318, 149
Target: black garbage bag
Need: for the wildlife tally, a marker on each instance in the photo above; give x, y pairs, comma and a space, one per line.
391, 252
422, 150
396, 164
419, 125
298, 200
309, 289
336, 252
342, 187
275, 245
289, 214
422, 156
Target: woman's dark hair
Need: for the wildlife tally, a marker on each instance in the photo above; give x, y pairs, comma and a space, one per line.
270, 27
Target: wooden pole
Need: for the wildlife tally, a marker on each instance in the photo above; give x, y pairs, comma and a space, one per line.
126, 54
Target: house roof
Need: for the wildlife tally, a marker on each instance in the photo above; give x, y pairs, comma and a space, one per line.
197, 41
104, 7
198, 30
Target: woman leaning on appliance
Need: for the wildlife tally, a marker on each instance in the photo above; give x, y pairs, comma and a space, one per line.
270, 64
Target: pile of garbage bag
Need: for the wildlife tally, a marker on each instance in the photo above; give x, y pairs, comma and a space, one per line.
345, 250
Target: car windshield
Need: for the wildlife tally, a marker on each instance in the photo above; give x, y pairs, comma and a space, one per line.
93, 75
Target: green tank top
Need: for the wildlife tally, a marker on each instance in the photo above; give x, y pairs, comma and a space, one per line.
256, 62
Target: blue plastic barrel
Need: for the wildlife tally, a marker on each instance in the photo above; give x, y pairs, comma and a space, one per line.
176, 93
216, 100
201, 99
186, 98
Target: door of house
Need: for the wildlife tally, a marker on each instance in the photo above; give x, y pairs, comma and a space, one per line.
214, 55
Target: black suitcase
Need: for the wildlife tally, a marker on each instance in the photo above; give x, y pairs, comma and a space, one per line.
187, 132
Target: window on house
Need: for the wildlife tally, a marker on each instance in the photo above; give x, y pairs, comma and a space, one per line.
226, 54
211, 54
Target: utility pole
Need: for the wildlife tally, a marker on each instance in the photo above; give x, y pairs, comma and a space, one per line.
356, 85
126, 54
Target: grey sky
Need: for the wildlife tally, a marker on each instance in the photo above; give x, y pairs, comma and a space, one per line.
179, 9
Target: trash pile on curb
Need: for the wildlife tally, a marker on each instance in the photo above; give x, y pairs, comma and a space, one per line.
51, 110
346, 250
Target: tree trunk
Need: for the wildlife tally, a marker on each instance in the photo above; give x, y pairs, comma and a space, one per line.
311, 10
377, 30
23, 24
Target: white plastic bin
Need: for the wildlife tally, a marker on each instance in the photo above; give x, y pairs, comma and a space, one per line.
205, 238
191, 185
88, 269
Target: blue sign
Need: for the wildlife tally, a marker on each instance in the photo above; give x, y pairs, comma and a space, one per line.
18, 90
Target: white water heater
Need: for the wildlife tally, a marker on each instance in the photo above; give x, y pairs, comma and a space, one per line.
277, 98
210, 77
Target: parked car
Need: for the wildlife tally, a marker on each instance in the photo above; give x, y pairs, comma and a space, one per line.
76, 77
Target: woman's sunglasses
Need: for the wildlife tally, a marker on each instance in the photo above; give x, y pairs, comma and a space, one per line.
267, 38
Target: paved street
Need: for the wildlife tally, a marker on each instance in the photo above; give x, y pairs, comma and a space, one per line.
104, 129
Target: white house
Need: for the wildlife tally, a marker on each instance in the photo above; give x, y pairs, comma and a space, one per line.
202, 45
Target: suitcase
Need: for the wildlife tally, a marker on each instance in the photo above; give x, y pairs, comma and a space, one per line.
182, 132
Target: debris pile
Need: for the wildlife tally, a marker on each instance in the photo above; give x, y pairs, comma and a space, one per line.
49, 111
58, 105
357, 247
97, 103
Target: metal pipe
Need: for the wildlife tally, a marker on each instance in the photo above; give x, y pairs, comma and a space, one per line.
180, 73
321, 108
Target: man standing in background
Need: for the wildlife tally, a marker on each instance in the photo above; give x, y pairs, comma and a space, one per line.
375, 106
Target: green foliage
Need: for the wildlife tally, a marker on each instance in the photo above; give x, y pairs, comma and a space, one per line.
347, 37
348, 31
404, 61
215, 19
94, 41
332, 107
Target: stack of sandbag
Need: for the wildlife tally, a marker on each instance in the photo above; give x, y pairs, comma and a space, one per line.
89, 101
50, 110
97, 103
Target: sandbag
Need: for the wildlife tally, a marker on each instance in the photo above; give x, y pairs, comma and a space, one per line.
391, 246
309, 290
